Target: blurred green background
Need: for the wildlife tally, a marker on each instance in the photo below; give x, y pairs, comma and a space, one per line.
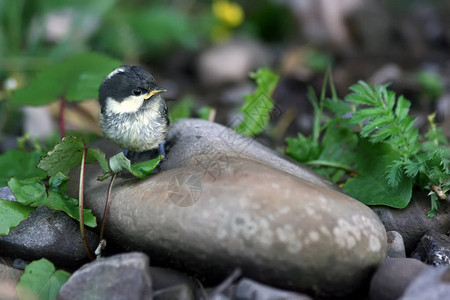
202, 51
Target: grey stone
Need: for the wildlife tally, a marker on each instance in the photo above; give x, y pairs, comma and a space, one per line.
433, 249
178, 292
210, 145
432, 284
412, 222
218, 205
38, 121
396, 247
230, 62
163, 278
6, 194
122, 276
393, 277
9, 278
48, 233
248, 289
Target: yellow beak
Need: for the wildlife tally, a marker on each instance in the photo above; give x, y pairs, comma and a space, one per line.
156, 90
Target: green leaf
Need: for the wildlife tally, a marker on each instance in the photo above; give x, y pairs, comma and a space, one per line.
75, 79
375, 124
28, 191
204, 112
258, 105
120, 163
32, 192
160, 27
143, 169
12, 213
41, 280
431, 83
371, 186
367, 113
93, 155
363, 93
302, 148
68, 154
402, 108
338, 145
20, 164
64, 157
337, 106
183, 109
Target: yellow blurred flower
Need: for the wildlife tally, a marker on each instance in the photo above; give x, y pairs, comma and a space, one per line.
230, 13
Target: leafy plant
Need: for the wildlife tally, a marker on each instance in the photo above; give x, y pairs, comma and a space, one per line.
371, 141
75, 79
257, 107
50, 190
41, 281
44, 181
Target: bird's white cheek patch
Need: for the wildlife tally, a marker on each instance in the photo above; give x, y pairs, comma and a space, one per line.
128, 105
116, 71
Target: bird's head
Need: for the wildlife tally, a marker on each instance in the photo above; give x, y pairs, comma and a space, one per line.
126, 88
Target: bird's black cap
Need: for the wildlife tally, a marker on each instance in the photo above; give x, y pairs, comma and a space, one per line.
121, 82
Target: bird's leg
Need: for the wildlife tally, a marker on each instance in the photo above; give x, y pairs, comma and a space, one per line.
162, 150
126, 152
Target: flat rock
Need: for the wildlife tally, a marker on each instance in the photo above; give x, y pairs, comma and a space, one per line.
393, 277
433, 249
122, 276
431, 284
212, 209
412, 222
47, 233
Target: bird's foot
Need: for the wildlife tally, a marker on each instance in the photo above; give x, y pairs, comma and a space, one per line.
162, 150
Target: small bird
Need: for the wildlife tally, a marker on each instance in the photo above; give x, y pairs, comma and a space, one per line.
133, 113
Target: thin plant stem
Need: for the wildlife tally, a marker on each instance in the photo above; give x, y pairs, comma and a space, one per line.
81, 206
325, 163
105, 213
62, 128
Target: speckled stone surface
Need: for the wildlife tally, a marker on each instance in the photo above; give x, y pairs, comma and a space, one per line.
212, 212
46, 233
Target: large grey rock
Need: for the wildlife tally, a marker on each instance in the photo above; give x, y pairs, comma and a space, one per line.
216, 206
393, 277
47, 233
412, 222
431, 284
122, 276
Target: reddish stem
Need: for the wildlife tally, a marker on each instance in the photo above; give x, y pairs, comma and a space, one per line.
62, 128
81, 206
105, 213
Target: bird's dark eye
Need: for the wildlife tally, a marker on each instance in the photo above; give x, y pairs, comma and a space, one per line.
137, 92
